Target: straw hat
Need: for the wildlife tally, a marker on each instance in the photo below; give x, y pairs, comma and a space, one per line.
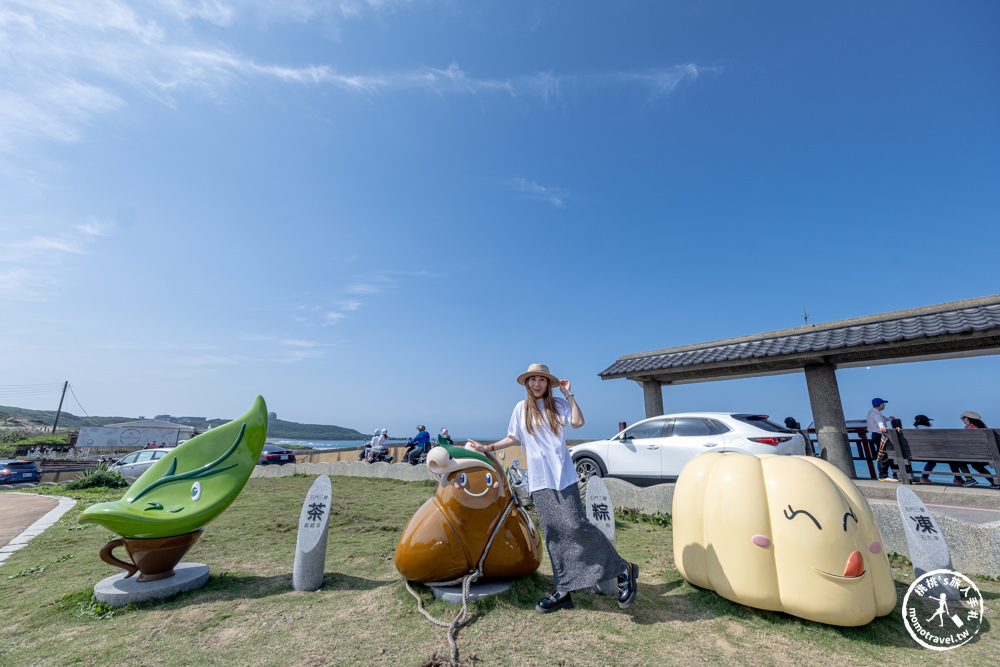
972, 415
538, 369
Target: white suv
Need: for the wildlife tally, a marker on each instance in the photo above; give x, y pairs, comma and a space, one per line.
657, 449
136, 463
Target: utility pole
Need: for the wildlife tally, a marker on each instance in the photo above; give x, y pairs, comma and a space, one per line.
59, 409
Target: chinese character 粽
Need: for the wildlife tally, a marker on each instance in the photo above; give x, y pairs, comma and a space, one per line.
601, 512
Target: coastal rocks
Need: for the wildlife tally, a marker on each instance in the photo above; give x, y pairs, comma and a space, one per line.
310, 546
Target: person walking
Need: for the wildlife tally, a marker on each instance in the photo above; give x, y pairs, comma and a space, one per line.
975, 420
581, 556
878, 427
923, 421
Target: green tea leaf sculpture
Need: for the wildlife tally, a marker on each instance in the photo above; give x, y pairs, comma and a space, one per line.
191, 485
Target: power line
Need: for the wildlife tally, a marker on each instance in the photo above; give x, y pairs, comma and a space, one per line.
78, 402
16, 390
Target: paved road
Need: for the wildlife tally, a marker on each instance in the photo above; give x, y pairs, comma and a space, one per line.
967, 514
20, 510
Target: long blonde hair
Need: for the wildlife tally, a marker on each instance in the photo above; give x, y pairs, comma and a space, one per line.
533, 415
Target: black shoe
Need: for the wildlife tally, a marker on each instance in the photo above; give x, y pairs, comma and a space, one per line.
554, 602
628, 586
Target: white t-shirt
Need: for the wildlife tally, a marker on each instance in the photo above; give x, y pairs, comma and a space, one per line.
548, 461
876, 420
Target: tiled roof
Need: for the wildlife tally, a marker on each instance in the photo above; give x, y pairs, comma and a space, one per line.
973, 315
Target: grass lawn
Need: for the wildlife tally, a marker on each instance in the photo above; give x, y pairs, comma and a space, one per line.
248, 613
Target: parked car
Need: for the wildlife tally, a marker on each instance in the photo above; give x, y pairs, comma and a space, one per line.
13, 471
657, 449
275, 454
136, 463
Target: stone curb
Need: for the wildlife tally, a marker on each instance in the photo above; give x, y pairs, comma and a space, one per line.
403, 472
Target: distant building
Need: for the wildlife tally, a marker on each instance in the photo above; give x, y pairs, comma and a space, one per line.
183, 432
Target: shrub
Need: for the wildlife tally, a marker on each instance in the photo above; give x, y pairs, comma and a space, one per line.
99, 475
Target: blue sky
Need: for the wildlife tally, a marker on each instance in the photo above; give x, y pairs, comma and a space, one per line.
378, 213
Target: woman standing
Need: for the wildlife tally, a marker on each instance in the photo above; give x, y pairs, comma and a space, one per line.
581, 555
975, 420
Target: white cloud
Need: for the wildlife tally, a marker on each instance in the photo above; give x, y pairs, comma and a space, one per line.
362, 288
32, 264
294, 342
66, 63
212, 360
95, 227
213, 11
350, 304
532, 190
658, 82
23, 284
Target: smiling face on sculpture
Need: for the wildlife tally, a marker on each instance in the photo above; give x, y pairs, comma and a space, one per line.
785, 533
191, 484
448, 535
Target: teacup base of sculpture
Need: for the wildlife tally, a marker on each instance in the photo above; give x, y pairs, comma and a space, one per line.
153, 558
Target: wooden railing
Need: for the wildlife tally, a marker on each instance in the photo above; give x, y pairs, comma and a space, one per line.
862, 449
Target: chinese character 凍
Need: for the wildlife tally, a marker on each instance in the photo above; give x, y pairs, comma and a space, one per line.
924, 524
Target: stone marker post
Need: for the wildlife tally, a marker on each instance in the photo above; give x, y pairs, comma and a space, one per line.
601, 513
310, 548
928, 549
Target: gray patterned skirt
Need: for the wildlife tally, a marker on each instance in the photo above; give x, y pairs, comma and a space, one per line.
580, 553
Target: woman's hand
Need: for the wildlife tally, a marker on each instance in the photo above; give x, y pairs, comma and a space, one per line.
478, 446
564, 387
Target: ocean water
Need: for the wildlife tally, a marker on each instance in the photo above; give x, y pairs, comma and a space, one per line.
326, 444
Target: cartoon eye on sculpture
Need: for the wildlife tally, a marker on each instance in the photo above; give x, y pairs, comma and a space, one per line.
783, 533
164, 511
451, 533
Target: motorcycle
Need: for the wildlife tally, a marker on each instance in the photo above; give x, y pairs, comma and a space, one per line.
380, 456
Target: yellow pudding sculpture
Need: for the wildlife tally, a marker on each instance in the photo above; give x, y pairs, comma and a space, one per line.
783, 533
472, 518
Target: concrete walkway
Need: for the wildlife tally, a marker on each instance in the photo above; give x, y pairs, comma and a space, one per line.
26, 515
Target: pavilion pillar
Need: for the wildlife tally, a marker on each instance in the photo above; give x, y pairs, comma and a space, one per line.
828, 415
652, 396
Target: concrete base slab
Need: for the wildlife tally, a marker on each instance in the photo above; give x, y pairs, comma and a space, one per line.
478, 590
118, 591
